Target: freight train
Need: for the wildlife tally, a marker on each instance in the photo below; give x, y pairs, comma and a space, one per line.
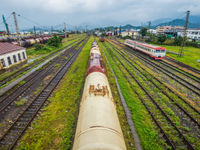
25, 42
153, 51
98, 126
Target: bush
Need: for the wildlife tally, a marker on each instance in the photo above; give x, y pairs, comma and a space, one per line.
168, 42
38, 46
161, 39
55, 41
178, 40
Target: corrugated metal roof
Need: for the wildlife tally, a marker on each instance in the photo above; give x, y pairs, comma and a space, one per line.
8, 47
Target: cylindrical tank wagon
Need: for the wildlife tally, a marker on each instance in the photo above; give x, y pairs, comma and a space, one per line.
98, 125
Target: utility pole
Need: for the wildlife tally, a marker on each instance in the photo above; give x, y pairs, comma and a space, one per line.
149, 24
65, 28
16, 24
120, 30
86, 28
51, 30
34, 31
184, 34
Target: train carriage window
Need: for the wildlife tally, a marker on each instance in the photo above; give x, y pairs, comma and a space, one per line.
14, 58
9, 61
3, 63
157, 51
162, 51
19, 56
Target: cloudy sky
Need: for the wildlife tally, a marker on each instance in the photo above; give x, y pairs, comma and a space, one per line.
94, 12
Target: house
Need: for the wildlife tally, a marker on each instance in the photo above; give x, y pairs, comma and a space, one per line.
171, 31
192, 34
152, 31
11, 54
132, 33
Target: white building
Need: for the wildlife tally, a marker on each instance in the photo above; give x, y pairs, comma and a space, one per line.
152, 31
192, 34
11, 54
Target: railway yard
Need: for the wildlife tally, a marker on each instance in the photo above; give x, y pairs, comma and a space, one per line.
157, 101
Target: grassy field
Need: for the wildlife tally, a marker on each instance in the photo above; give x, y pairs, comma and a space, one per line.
145, 127
191, 55
55, 127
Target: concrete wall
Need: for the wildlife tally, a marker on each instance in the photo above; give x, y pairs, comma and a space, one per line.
11, 54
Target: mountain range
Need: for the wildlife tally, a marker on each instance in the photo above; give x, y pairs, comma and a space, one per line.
194, 22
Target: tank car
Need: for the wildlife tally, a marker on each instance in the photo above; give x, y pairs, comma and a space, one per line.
98, 125
32, 41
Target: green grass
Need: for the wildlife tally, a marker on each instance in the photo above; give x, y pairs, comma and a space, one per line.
55, 128
129, 140
21, 102
32, 53
191, 55
164, 102
145, 127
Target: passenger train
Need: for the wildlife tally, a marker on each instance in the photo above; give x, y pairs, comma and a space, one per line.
153, 51
98, 126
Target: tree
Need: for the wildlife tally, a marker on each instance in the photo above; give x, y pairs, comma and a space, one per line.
178, 40
143, 31
38, 46
55, 41
161, 39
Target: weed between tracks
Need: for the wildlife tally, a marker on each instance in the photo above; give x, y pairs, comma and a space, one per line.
166, 105
55, 128
120, 110
144, 125
21, 102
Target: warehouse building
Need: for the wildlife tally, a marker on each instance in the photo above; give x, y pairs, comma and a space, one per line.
11, 54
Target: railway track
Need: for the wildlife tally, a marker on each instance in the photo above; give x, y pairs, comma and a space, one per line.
190, 75
185, 101
31, 82
182, 65
191, 86
18, 127
157, 117
20, 71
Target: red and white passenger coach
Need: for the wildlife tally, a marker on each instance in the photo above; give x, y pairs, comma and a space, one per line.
156, 52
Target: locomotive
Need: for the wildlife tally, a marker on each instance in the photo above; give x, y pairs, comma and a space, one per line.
98, 126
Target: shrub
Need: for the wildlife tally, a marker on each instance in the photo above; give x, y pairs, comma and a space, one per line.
161, 39
38, 46
55, 41
168, 42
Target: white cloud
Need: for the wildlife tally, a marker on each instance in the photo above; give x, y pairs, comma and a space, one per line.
100, 11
